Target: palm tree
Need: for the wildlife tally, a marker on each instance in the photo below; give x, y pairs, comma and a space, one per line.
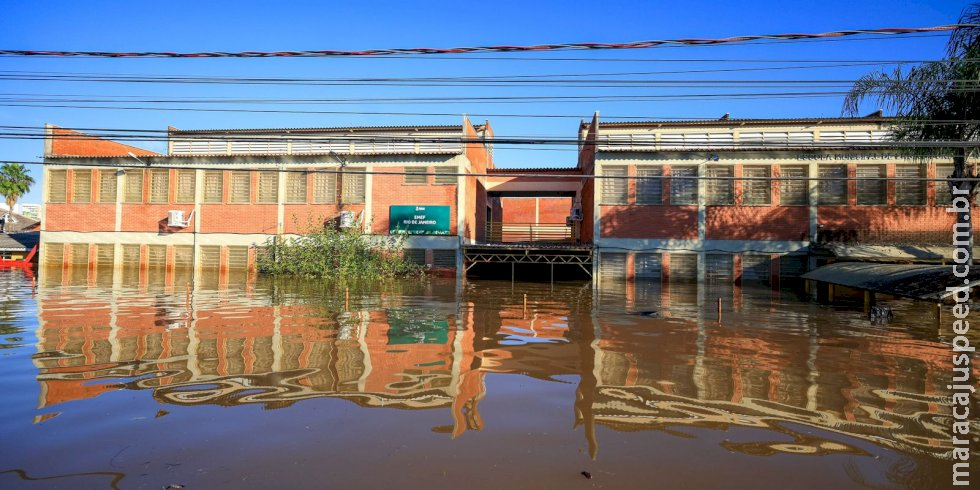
14, 182
937, 108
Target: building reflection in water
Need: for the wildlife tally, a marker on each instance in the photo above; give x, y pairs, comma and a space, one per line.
776, 364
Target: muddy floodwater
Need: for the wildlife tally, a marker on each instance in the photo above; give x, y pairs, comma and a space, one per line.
244, 382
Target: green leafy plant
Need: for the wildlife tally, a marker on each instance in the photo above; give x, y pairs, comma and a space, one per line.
14, 182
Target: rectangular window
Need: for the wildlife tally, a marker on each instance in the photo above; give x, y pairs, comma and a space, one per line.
683, 267
615, 189
268, 187
107, 186
794, 186
159, 186
81, 187
214, 186
873, 191
720, 186
296, 187
756, 269
649, 185
718, 269
445, 175
133, 187
943, 190
353, 186
325, 188
241, 186
832, 188
910, 192
156, 256
683, 185
416, 175
57, 185
186, 185
54, 253
647, 266
757, 188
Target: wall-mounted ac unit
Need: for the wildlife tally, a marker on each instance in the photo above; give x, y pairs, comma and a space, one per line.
347, 219
175, 219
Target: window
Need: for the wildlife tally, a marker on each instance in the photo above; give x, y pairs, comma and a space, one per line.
649, 185
718, 269
353, 183
446, 175
325, 188
416, 175
107, 186
268, 187
873, 191
296, 187
910, 192
186, 185
720, 186
133, 187
241, 183
757, 189
616, 188
684, 185
214, 186
794, 186
159, 186
943, 190
647, 266
81, 187
833, 191
57, 185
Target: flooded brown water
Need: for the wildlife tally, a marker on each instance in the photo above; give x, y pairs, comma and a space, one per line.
252, 383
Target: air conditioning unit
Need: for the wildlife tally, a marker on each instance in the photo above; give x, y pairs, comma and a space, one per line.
575, 214
175, 219
347, 219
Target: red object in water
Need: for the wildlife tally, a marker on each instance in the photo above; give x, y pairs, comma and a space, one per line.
25, 262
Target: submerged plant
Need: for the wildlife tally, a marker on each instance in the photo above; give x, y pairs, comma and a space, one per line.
327, 251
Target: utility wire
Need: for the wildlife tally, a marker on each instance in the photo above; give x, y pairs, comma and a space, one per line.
497, 48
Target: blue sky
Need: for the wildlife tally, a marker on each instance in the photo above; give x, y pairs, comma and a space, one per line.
268, 26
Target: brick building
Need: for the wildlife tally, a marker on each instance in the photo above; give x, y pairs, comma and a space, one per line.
218, 194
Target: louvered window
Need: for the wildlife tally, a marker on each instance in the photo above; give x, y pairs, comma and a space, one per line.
210, 257
57, 185
615, 188
756, 269
183, 256
296, 187
104, 254
131, 255
683, 185
649, 185
159, 186
186, 185
241, 184
832, 188
910, 192
79, 253
871, 184
720, 186
81, 187
648, 266
414, 256
445, 175
107, 186
54, 253
683, 267
238, 257
612, 267
156, 256
718, 268
133, 191
757, 188
353, 186
214, 186
794, 186
943, 190
325, 188
444, 259
416, 175
268, 187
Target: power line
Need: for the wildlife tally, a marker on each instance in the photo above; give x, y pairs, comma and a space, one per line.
497, 48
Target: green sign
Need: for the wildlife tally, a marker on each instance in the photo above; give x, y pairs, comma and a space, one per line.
419, 220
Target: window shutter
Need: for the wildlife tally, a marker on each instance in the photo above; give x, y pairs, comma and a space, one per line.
325, 188
756, 269
910, 192
832, 191
756, 192
943, 195
133, 192
213, 186
186, 185
649, 185
648, 266
241, 183
268, 187
871, 191
296, 187
107, 186
159, 186
794, 186
720, 190
614, 190
353, 186
416, 175
683, 185
718, 268
81, 188
612, 267
445, 175
683, 267
57, 185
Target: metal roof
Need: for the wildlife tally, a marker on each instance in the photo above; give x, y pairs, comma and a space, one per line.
543, 170
175, 131
265, 155
18, 242
871, 118
924, 282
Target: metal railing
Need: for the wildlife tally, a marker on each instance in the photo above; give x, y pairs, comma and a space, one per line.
532, 232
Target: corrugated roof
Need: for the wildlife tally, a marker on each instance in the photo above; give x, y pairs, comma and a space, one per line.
871, 118
18, 242
543, 170
175, 131
767, 148
266, 155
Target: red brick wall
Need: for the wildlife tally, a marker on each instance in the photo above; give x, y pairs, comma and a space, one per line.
474, 219
299, 217
757, 222
549, 210
389, 190
80, 217
881, 224
679, 222
239, 218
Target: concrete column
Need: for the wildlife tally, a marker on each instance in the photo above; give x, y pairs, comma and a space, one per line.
702, 207
368, 199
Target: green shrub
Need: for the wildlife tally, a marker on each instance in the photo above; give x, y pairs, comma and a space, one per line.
330, 252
